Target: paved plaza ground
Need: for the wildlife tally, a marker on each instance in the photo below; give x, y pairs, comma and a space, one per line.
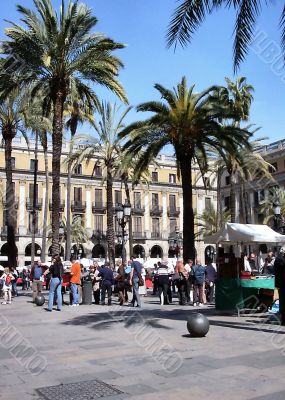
123, 352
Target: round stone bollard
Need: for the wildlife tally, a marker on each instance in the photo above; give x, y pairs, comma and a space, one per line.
198, 325
40, 300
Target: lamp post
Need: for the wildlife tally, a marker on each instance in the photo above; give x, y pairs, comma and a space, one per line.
176, 243
123, 214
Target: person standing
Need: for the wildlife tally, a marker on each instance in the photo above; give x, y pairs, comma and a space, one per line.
163, 282
198, 271
56, 271
211, 275
181, 281
75, 281
188, 268
26, 280
120, 279
107, 277
279, 268
7, 278
14, 272
268, 266
94, 272
154, 280
135, 277
37, 279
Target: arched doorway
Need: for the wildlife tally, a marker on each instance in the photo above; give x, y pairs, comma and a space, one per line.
98, 251
118, 250
210, 254
4, 255
28, 250
138, 251
156, 252
78, 251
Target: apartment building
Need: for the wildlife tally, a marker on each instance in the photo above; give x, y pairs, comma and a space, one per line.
156, 206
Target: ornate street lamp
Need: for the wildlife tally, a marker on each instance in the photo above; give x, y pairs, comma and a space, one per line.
176, 243
123, 214
277, 213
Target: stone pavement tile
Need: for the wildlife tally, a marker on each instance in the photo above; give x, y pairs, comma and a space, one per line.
137, 388
273, 396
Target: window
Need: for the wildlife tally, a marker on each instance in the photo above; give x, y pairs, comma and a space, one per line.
172, 178
13, 162
207, 203
118, 197
172, 202
137, 224
137, 200
98, 197
31, 192
98, 223
154, 199
227, 180
155, 225
32, 164
227, 202
172, 225
98, 171
33, 222
154, 176
78, 169
77, 195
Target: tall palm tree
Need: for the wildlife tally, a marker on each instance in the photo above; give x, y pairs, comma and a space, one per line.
106, 148
58, 54
208, 221
191, 13
266, 207
189, 121
11, 123
77, 112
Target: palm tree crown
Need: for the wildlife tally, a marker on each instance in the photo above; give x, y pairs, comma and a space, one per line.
191, 13
189, 121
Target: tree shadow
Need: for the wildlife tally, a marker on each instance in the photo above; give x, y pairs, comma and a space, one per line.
241, 325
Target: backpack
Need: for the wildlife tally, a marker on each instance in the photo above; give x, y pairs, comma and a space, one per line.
38, 273
199, 274
8, 280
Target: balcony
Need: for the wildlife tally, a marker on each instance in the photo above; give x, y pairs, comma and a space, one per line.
138, 210
173, 211
156, 210
155, 235
16, 203
61, 206
29, 204
139, 235
78, 206
99, 207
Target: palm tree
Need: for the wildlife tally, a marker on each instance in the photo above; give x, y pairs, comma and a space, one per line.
58, 54
106, 148
11, 122
209, 222
190, 14
78, 112
266, 207
188, 121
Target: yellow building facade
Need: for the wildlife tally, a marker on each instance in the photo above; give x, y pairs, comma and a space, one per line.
157, 206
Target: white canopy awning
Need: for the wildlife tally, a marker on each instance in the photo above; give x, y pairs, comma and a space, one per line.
234, 233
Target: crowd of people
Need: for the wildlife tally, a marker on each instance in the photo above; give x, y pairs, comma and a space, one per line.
193, 282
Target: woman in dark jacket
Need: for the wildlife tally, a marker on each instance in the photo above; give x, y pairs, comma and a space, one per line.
120, 279
56, 271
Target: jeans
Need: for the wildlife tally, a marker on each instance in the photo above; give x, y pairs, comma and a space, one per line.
55, 286
181, 285
136, 296
14, 288
74, 291
106, 286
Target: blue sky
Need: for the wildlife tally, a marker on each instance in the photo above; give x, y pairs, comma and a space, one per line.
141, 25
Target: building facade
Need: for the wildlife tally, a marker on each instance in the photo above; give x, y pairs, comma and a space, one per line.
157, 206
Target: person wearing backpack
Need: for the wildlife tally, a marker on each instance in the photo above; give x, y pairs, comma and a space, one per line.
37, 275
7, 278
199, 275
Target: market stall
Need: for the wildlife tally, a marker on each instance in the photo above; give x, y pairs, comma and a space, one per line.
232, 292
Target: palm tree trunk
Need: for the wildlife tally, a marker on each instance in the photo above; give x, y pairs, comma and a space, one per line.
73, 129
11, 214
58, 104
130, 222
34, 212
46, 199
110, 219
232, 198
188, 213
68, 211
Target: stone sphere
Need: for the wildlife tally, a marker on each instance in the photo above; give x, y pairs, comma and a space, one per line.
40, 300
198, 325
